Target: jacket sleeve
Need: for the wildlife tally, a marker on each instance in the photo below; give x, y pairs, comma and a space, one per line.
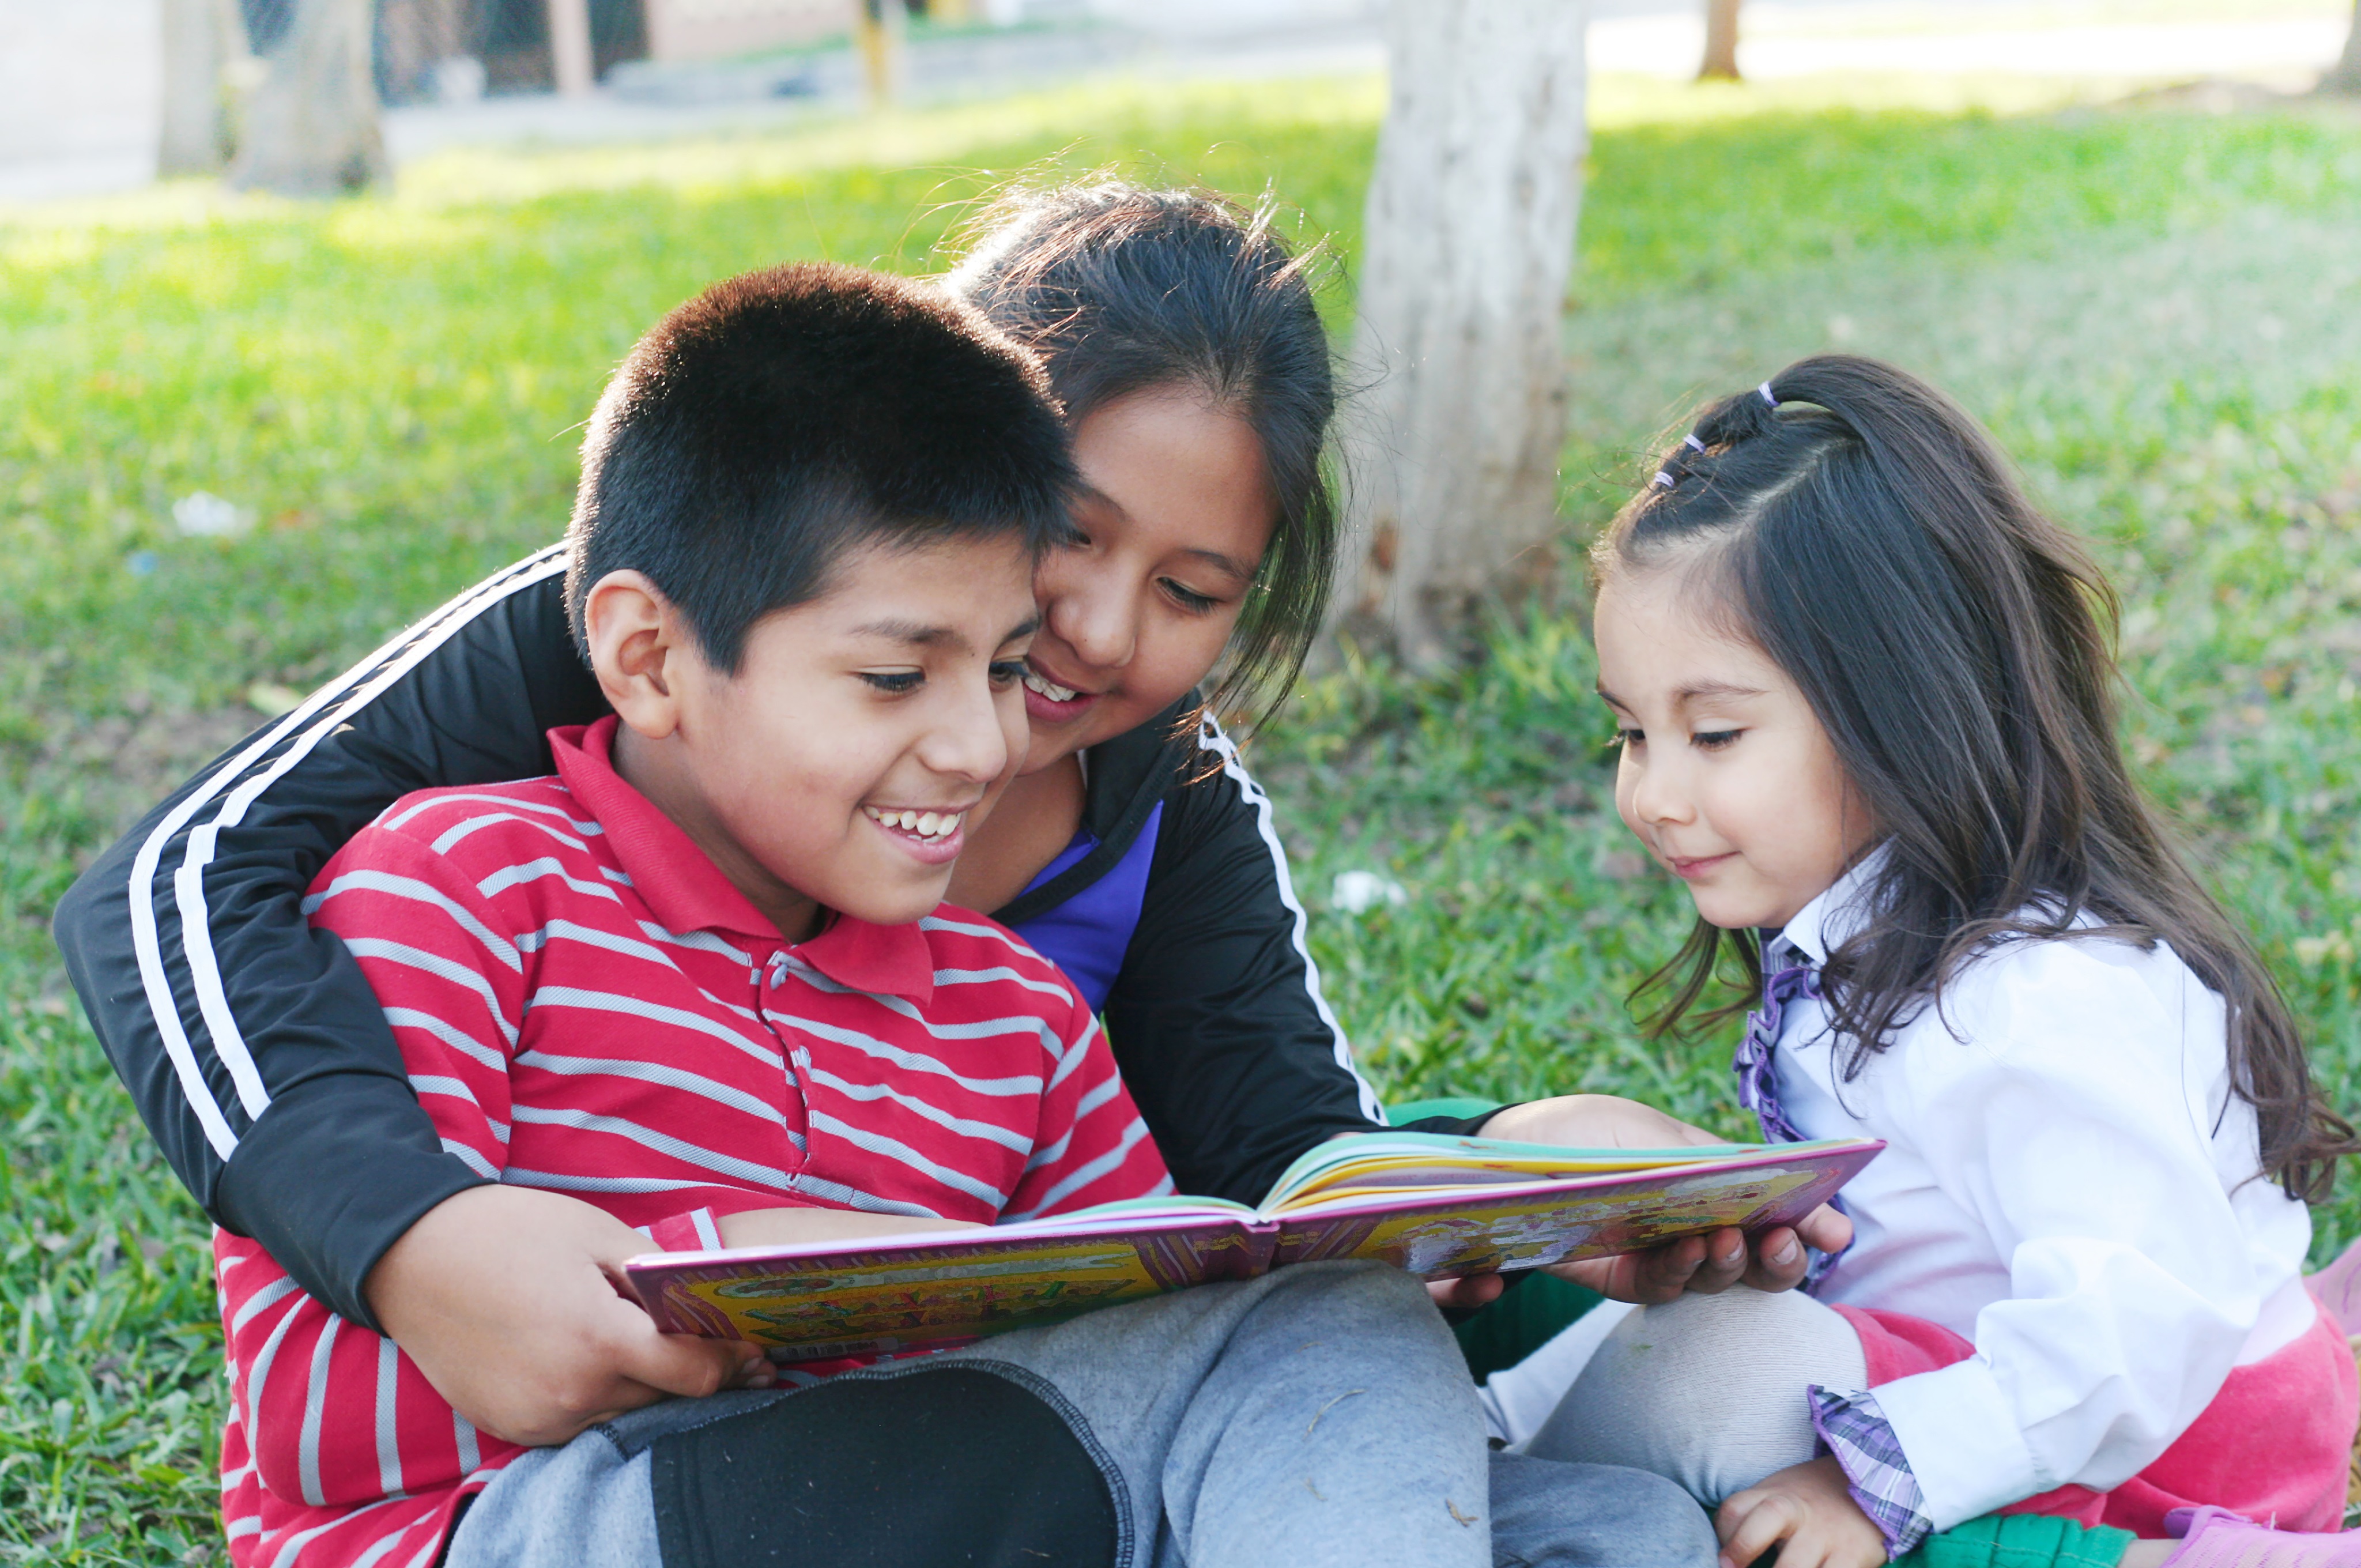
1217, 1017
252, 1044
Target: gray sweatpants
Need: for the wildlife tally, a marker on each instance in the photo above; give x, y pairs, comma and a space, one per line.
1320, 1415
1707, 1391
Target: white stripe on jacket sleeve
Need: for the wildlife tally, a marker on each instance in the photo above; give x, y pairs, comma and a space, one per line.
309, 724
1210, 738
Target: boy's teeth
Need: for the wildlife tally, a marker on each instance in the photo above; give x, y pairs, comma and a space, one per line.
1048, 689
925, 824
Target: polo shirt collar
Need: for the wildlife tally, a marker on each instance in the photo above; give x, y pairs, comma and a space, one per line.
687, 891
1822, 925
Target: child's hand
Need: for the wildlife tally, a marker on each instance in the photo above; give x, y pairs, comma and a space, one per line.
1823, 1228
794, 1227
1595, 1122
505, 1299
1467, 1292
1806, 1512
1774, 1260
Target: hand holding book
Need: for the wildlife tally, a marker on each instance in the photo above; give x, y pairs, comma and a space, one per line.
821, 1227
1771, 1259
1434, 1205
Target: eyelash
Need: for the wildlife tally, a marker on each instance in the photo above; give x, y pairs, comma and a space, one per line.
900, 683
1189, 599
1709, 741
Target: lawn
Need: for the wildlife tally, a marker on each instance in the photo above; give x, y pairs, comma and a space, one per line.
2159, 312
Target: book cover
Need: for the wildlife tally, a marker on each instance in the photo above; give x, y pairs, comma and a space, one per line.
1434, 1205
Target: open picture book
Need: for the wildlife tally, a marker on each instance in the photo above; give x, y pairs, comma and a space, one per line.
1435, 1205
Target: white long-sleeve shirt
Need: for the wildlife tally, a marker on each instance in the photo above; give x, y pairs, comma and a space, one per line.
2069, 1184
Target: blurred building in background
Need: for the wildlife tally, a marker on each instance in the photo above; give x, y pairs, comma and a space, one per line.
80, 94
512, 38
82, 81
716, 30
419, 42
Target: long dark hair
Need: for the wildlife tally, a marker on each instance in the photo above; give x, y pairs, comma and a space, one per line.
1958, 648
1122, 289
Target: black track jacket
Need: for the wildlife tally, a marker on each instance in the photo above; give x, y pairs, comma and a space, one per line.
261, 1064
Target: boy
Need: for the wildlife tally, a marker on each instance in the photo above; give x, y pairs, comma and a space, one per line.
696, 983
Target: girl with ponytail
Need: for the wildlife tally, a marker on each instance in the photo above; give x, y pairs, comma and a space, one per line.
1866, 703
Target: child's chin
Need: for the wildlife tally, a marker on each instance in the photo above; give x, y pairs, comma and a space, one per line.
1727, 913
903, 905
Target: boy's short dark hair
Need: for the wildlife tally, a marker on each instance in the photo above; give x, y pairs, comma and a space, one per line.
780, 419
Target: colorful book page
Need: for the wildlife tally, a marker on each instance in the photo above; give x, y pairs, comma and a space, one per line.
1530, 1225
1434, 1206
916, 1294
1380, 1162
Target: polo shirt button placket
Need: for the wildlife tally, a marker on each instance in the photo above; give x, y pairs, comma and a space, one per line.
794, 1053
770, 977
774, 979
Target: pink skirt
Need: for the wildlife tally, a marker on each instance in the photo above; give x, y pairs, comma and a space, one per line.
2275, 1445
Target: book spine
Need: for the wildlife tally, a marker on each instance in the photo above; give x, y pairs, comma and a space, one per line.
1178, 1259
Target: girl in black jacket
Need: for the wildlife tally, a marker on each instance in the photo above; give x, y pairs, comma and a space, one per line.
1135, 850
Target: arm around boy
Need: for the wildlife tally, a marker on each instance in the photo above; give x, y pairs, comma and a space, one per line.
698, 986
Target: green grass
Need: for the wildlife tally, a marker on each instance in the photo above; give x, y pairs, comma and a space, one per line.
2160, 314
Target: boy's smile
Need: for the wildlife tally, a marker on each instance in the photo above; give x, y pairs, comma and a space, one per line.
929, 835
837, 769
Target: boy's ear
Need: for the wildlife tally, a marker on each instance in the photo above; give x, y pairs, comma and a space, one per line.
640, 649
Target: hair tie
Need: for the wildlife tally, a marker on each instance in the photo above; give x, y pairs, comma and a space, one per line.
1765, 389
1664, 474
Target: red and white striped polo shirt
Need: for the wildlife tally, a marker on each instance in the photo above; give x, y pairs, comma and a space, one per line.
586, 1005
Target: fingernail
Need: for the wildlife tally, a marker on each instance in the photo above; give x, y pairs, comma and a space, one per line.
753, 1365
1732, 1256
1787, 1254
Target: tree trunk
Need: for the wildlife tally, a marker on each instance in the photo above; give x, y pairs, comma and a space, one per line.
2345, 76
413, 37
312, 125
569, 47
1720, 41
202, 39
1469, 238
883, 28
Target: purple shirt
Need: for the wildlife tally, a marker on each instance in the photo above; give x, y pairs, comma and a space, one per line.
1087, 935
